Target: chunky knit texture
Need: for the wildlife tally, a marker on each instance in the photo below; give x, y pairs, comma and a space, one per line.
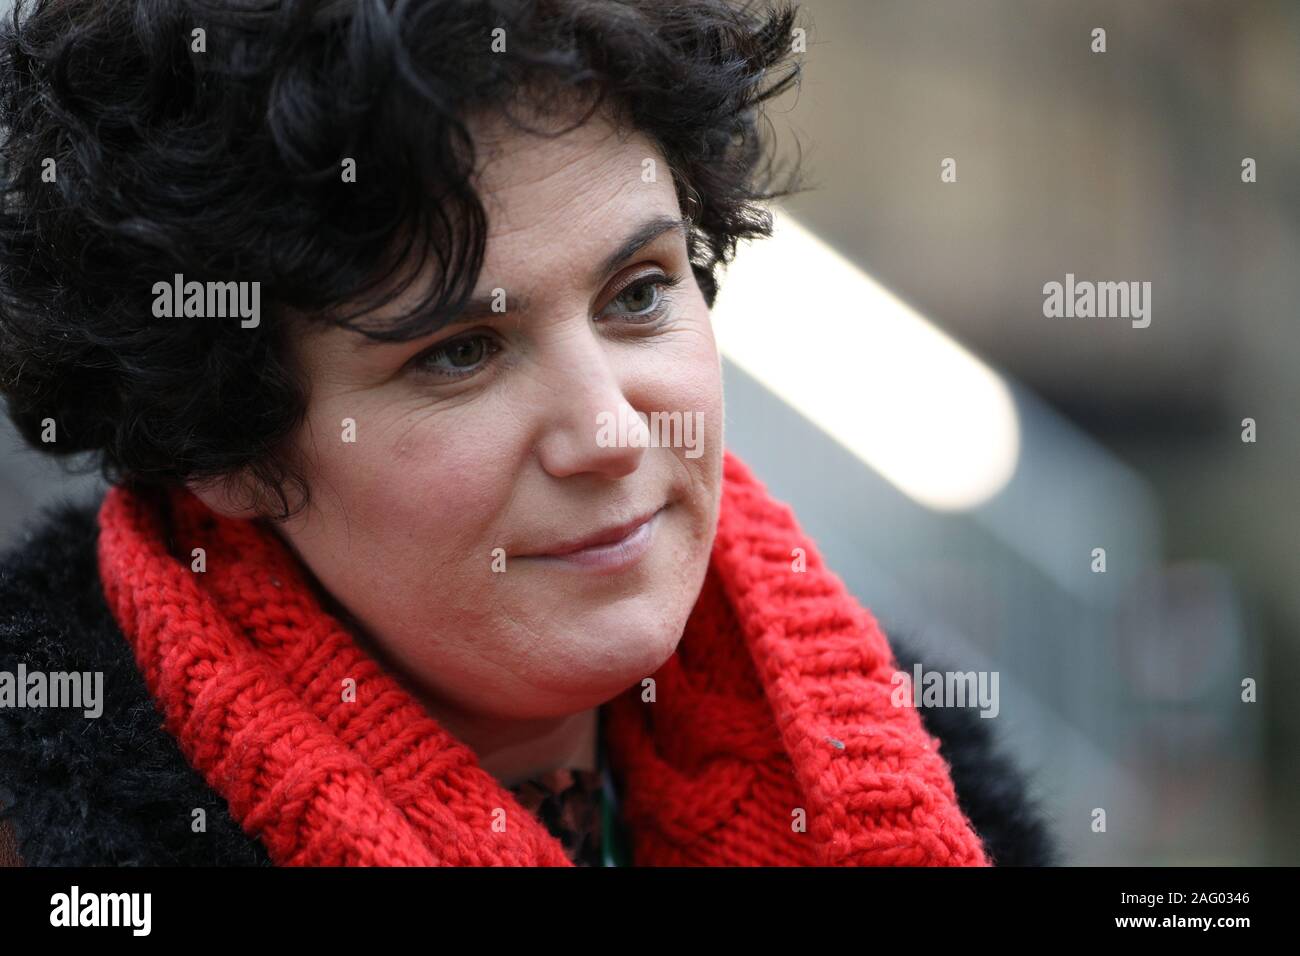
775, 707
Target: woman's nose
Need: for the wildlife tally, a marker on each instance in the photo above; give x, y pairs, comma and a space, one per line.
588, 424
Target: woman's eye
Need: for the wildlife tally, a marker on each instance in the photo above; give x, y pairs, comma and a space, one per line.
459, 357
640, 297
644, 299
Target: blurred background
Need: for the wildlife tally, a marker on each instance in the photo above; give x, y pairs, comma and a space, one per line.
959, 457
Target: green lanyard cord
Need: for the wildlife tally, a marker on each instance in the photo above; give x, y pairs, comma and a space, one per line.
613, 849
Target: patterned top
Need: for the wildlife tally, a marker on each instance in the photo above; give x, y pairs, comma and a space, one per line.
580, 809
568, 802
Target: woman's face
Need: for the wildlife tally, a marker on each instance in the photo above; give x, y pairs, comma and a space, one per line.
479, 449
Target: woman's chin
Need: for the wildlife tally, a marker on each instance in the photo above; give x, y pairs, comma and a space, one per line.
615, 668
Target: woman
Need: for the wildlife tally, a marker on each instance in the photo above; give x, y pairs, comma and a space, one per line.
341, 294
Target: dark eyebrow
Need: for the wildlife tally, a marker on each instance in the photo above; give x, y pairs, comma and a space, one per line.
479, 308
642, 236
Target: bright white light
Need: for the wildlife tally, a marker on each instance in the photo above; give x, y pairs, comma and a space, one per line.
867, 369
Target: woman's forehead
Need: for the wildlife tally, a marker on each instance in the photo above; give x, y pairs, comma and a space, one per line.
528, 181
544, 242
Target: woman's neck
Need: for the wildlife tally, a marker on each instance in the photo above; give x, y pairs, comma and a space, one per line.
513, 751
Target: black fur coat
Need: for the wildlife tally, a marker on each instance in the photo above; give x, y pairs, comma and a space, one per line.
116, 791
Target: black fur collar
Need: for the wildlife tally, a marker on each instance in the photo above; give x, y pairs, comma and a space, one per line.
116, 790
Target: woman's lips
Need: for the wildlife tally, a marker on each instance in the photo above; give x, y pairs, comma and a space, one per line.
612, 556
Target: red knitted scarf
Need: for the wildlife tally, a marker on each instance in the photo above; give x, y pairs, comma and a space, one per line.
771, 740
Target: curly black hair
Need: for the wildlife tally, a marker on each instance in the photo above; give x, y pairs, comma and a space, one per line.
146, 138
